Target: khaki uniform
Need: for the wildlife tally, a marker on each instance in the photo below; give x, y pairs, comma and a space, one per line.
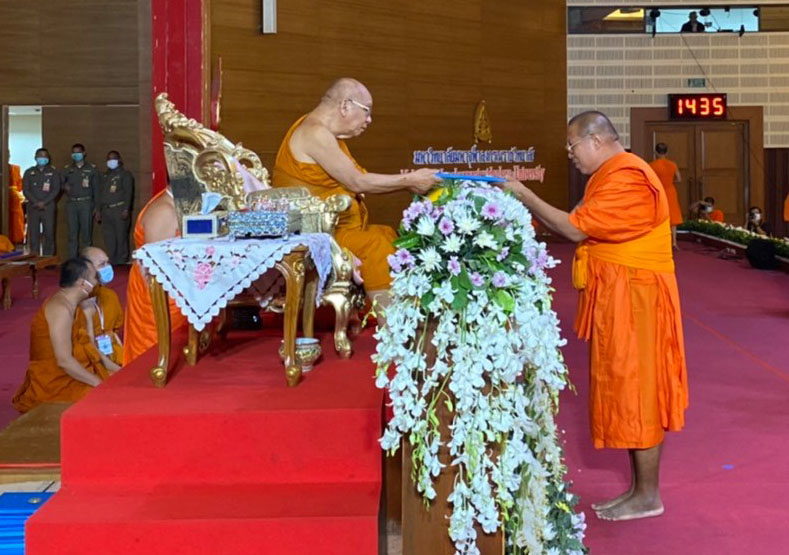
41, 184
81, 185
115, 199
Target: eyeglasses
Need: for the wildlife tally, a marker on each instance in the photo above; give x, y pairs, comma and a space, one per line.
367, 109
576, 143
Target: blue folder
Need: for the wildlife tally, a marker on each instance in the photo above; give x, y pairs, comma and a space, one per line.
485, 178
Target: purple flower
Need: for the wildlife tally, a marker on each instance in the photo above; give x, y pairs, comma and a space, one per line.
454, 266
405, 258
394, 263
505, 252
492, 211
476, 279
446, 226
500, 279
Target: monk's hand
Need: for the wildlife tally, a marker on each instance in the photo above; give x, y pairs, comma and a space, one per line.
521, 192
421, 181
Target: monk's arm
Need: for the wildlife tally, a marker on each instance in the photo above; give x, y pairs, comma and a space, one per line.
553, 218
159, 222
322, 146
60, 321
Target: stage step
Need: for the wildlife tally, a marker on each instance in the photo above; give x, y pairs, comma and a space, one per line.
296, 519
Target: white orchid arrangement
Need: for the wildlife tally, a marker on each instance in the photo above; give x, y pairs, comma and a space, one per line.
469, 284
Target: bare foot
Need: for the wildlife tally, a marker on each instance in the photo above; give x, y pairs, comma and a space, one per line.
637, 506
611, 502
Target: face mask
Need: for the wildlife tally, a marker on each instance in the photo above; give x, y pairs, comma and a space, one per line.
42, 160
106, 274
77, 156
708, 209
756, 216
112, 164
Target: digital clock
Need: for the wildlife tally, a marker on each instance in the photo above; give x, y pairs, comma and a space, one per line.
697, 106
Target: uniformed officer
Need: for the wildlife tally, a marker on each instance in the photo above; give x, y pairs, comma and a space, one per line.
41, 185
115, 202
81, 183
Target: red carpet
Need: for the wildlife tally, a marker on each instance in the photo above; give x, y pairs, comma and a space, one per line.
723, 479
225, 459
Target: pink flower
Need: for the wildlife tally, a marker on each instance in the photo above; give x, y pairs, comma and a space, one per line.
500, 279
492, 211
446, 226
454, 266
405, 258
394, 263
476, 279
203, 273
209, 250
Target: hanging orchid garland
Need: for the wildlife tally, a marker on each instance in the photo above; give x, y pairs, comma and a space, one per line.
470, 269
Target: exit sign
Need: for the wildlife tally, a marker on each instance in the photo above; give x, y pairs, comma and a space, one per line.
697, 82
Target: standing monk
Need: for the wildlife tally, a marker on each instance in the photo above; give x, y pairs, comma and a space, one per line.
668, 173
16, 219
313, 154
628, 306
157, 221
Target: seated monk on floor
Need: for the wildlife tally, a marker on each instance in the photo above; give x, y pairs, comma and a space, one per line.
100, 321
56, 372
313, 154
157, 221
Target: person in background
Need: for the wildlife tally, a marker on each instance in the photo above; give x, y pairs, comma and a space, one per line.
692, 25
756, 222
100, 320
668, 173
705, 210
54, 373
115, 205
16, 210
41, 185
81, 183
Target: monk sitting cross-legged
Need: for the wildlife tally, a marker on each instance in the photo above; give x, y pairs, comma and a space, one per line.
628, 307
157, 221
56, 371
313, 154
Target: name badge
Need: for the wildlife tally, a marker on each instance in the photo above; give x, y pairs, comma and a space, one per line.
104, 344
45, 188
113, 188
85, 182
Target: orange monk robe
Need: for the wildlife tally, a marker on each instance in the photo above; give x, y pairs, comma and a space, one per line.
16, 220
45, 381
786, 209
108, 320
716, 215
369, 243
666, 170
140, 326
629, 307
5, 244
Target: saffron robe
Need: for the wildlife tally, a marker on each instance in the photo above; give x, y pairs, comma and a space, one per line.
16, 220
666, 170
6, 245
371, 244
716, 216
45, 381
140, 325
629, 307
112, 319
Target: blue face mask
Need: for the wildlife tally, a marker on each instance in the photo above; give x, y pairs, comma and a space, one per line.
106, 274
77, 156
112, 163
42, 161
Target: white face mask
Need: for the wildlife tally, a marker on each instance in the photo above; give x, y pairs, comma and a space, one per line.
708, 209
756, 216
112, 164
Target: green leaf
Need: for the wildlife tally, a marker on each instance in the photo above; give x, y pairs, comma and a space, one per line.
505, 301
460, 301
449, 405
465, 281
407, 241
427, 298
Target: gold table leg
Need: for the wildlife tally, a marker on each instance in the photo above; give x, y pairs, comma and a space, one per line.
310, 292
292, 269
161, 313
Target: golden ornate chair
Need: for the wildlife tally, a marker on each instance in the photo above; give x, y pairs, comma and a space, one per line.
201, 160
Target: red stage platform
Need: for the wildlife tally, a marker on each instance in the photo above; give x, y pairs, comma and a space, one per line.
225, 459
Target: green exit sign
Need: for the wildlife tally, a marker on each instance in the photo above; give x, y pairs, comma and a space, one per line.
697, 82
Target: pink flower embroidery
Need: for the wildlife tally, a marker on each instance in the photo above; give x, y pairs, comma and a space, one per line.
203, 273
209, 250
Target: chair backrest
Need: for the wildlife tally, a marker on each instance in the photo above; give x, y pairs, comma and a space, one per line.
201, 160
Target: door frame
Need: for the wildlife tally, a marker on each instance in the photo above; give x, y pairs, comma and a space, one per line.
754, 115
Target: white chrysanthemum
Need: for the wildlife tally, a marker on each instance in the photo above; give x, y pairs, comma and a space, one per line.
452, 244
425, 226
431, 260
486, 241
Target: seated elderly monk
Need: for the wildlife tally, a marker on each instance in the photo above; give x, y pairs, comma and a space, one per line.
56, 372
99, 322
313, 154
157, 221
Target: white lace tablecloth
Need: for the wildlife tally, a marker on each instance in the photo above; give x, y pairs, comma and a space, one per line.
202, 275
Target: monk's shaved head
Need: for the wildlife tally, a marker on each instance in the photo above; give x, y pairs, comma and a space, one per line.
593, 123
343, 88
96, 256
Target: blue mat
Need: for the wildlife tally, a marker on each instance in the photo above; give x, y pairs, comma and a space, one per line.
15, 509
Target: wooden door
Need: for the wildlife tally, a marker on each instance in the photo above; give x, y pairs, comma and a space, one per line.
681, 142
722, 167
5, 175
